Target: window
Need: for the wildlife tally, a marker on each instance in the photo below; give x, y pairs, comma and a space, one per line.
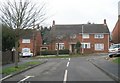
73, 36
99, 47
98, 36
25, 50
85, 45
59, 37
25, 40
44, 48
85, 35
61, 46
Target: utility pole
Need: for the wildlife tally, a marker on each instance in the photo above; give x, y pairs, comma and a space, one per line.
34, 38
58, 39
57, 46
58, 49
82, 40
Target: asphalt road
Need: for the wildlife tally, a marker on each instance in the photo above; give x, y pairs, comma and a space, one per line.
69, 69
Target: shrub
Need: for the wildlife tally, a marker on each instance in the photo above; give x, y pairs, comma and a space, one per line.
49, 52
65, 51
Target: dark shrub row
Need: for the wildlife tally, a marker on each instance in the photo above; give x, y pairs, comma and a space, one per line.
48, 52
65, 51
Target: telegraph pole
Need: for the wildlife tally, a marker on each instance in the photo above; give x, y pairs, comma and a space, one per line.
82, 40
34, 38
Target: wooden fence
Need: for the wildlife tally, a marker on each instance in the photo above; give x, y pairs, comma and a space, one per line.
7, 57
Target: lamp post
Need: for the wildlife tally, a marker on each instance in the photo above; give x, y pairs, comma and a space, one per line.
13, 53
16, 56
34, 38
58, 38
82, 40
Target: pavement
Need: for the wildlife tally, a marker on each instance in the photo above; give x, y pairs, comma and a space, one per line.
100, 61
22, 61
107, 66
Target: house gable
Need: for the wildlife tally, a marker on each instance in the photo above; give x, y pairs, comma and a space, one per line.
116, 32
31, 39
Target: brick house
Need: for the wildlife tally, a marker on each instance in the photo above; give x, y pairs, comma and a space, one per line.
93, 37
116, 32
32, 40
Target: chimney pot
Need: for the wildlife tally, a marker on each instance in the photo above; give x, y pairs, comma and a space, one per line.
105, 21
53, 22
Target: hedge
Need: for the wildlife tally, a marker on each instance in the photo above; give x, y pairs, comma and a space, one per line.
48, 52
65, 51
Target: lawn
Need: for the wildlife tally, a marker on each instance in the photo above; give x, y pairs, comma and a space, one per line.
117, 60
21, 67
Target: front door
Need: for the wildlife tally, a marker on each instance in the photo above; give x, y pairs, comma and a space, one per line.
73, 48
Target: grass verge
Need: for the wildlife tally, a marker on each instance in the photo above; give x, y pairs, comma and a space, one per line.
60, 56
117, 60
11, 70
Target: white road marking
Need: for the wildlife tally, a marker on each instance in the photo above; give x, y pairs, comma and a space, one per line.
69, 59
25, 78
5, 77
65, 76
68, 64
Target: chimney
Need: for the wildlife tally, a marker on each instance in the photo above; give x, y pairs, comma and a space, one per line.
105, 22
53, 23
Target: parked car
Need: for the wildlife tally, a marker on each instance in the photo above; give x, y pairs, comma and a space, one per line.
26, 52
114, 50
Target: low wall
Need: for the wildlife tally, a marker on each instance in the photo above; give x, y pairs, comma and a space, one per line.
7, 57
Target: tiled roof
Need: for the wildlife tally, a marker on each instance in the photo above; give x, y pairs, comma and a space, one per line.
28, 34
77, 29
68, 30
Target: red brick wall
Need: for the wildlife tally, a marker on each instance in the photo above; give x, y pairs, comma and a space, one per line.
26, 45
37, 43
92, 42
105, 41
116, 33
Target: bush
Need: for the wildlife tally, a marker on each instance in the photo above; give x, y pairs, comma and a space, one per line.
49, 52
65, 51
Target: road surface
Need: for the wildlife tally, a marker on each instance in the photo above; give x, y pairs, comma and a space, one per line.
68, 69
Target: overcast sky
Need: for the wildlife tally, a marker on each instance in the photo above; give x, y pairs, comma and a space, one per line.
82, 11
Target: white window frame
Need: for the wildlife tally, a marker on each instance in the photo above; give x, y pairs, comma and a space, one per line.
45, 48
26, 50
85, 45
73, 36
99, 36
85, 36
99, 46
25, 40
61, 46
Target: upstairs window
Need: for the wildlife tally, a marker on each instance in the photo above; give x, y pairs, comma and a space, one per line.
25, 40
85, 36
98, 36
73, 36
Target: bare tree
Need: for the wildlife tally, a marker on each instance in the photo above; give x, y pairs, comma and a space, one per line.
20, 14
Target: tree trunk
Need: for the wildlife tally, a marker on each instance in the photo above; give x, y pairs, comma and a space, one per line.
16, 54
